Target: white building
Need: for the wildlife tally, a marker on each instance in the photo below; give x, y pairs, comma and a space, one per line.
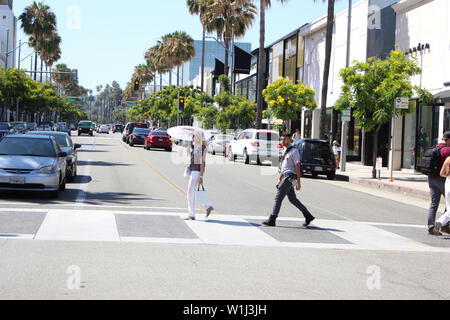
8, 33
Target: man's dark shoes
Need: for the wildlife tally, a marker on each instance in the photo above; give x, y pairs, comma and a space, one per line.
308, 221
271, 222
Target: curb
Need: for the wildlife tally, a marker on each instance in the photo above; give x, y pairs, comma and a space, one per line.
388, 186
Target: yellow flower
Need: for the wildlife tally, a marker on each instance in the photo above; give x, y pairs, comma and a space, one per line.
289, 102
264, 111
297, 105
308, 103
399, 86
272, 103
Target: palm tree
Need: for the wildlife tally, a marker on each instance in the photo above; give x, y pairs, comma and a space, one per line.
155, 57
37, 22
230, 20
200, 7
50, 50
178, 49
326, 70
263, 5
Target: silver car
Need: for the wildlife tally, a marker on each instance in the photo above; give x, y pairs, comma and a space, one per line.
218, 143
32, 163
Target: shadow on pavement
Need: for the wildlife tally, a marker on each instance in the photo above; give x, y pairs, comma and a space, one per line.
103, 164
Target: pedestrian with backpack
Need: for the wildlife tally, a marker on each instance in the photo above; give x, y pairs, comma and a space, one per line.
445, 219
289, 182
432, 164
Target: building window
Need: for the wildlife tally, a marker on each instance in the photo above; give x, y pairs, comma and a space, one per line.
290, 64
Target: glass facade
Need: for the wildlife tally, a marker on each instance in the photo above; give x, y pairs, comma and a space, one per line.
427, 130
290, 56
276, 62
247, 88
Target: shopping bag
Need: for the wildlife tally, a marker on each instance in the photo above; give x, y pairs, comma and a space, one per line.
201, 197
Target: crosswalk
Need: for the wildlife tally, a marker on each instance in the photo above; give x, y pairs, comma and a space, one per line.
169, 227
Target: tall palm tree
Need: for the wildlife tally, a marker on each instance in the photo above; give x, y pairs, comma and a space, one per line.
50, 50
200, 7
326, 69
230, 20
178, 49
155, 57
263, 6
37, 22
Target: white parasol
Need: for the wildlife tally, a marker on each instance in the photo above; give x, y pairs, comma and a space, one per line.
186, 133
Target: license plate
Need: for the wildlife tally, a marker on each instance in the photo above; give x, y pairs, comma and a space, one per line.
318, 169
161, 140
17, 180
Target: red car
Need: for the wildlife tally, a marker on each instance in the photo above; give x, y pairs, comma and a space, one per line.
158, 139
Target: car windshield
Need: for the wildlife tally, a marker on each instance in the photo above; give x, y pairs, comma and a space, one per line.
267, 136
27, 147
141, 125
141, 131
316, 150
4, 126
31, 125
224, 138
160, 133
84, 123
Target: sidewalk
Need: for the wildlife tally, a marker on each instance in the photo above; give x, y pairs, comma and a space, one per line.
406, 182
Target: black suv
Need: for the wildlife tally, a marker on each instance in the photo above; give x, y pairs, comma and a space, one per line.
118, 128
129, 128
317, 157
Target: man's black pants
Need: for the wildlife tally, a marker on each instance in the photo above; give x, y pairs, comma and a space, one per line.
286, 188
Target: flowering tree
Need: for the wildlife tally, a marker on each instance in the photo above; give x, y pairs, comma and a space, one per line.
286, 99
370, 89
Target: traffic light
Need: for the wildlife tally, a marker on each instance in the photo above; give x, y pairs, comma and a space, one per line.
181, 104
136, 85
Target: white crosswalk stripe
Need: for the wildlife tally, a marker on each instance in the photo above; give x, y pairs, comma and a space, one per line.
227, 230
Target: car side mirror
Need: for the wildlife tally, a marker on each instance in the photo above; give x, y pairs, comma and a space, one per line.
77, 146
62, 155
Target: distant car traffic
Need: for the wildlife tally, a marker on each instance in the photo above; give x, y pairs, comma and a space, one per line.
5, 129
20, 127
317, 157
257, 145
104, 129
66, 144
138, 136
32, 163
129, 128
118, 128
31, 126
217, 144
63, 127
158, 139
86, 127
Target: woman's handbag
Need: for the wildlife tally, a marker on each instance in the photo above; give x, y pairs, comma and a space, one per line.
201, 197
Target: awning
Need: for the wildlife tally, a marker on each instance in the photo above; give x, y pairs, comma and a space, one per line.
242, 61
219, 69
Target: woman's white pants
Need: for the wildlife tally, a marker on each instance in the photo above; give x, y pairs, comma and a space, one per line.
194, 178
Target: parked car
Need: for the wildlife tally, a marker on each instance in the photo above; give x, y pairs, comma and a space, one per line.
257, 145
66, 144
85, 127
138, 136
158, 139
317, 157
217, 144
31, 126
118, 128
5, 129
44, 128
104, 129
63, 127
129, 128
20, 127
32, 163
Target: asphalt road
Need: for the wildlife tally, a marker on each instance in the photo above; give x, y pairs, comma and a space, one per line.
118, 232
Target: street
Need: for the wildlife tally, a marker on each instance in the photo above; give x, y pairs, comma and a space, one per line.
118, 232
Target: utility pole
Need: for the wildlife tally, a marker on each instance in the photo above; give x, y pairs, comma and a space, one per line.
7, 48
343, 159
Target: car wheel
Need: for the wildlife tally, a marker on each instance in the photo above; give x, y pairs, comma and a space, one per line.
214, 152
331, 176
169, 150
315, 174
246, 157
231, 156
131, 144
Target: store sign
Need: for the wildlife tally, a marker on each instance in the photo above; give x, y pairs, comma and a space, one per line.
402, 103
379, 165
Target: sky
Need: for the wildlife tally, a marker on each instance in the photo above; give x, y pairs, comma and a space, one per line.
104, 40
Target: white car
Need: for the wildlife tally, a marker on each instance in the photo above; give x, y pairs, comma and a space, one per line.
218, 144
256, 145
104, 129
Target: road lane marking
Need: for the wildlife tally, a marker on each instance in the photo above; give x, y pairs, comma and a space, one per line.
79, 226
